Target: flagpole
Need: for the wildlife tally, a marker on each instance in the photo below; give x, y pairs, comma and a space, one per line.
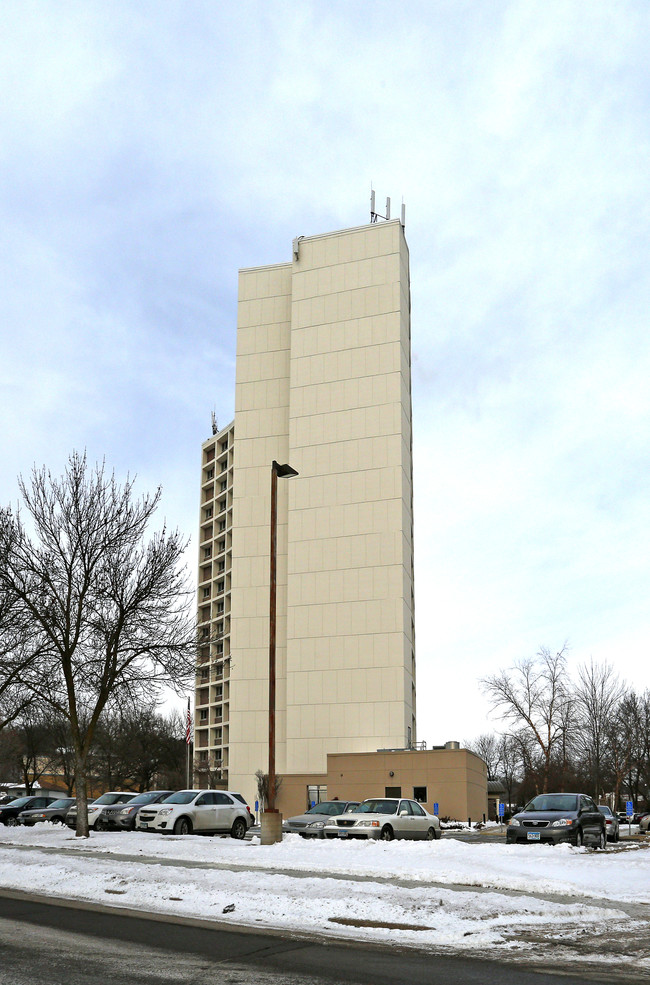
188, 733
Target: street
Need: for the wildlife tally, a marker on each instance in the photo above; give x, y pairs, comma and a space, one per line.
53, 944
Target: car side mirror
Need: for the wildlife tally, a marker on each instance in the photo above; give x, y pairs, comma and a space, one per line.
403, 813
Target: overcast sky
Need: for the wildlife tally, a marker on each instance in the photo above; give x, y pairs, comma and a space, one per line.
149, 150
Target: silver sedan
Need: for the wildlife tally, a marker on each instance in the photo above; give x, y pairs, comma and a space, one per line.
312, 823
385, 818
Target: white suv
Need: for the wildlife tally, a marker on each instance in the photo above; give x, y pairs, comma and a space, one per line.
199, 812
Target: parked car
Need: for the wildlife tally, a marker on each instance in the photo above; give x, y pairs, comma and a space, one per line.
9, 813
198, 812
554, 817
644, 824
611, 823
122, 817
55, 812
311, 824
634, 818
385, 818
95, 808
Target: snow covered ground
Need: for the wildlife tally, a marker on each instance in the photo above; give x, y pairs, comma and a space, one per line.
443, 894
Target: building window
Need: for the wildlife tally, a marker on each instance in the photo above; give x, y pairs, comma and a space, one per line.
209, 474
206, 593
224, 485
222, 524
220, 586
221, 546
393, 792
224, 445
420, 794
222, 506
316, 794
208, 512
207, 553
220, 607
203, 715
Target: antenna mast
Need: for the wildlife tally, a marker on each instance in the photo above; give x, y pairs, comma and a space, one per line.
374, 215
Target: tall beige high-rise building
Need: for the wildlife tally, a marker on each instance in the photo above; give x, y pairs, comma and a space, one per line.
323, 383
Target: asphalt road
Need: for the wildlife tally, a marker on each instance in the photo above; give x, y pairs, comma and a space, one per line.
61, 944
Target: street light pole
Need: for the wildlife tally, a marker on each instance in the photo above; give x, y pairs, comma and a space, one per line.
271, 821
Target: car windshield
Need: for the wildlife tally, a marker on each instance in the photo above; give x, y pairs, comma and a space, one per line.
605, 810
21, 802
182, 797
112, 798
553, 802
62, 803
377, 807
145, 798
328, 807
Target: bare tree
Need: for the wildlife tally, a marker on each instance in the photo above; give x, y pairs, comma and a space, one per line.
533, 696
16, 654
106, 615
487, 747
36, 753
597, 693
509, 767
263, 787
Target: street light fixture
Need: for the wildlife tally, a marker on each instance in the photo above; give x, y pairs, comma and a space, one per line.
271, 819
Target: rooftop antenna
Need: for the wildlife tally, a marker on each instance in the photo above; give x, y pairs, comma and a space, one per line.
374, 215
215, 426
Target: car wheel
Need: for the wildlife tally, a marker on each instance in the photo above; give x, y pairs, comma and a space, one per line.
238, 829
183, 826
99, 825
602, 843
56, 820
431, 834
579, 838
12, 822
387, 833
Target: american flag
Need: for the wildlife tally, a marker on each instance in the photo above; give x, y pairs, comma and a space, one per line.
188, 727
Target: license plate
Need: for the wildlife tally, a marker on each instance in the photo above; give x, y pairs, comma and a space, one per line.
143, 824
532, 835
343, 834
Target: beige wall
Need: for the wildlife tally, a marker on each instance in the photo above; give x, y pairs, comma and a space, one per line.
323, 382
261, 435
455, 779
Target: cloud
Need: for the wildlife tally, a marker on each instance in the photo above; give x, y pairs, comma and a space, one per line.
149, 151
